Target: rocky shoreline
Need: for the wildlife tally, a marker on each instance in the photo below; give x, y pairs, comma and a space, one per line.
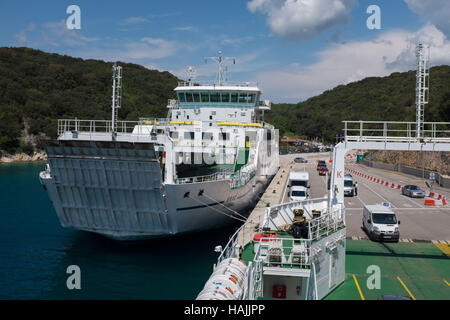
22, 157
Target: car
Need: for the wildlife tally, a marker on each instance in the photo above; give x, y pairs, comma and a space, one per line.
323, 171
413, 191
300, 160
298, 193
321, 165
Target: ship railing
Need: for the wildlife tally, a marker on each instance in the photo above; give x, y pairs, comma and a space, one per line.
284, 252
105, 126
321, 221
216, 84
220, 175
394, 131
241, 238
325, 225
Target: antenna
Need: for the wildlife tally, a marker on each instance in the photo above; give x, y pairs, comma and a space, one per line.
191, 72
220, 60
422, 87
116, 97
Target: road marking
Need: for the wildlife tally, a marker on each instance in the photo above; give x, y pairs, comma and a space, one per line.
406, 288
444, 247
359, 289
378, 194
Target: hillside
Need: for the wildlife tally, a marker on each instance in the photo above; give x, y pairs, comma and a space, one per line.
37, 88
386, 98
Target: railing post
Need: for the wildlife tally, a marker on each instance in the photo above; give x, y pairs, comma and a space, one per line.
360, 129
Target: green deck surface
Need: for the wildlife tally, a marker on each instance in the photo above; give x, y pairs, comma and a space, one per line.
423, 268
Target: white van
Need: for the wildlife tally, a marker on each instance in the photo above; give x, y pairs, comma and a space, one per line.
298, 193
298, 178
380, 222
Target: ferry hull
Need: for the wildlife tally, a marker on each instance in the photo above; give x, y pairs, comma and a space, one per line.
116, 190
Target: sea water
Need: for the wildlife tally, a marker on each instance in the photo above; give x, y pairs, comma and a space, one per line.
35, 252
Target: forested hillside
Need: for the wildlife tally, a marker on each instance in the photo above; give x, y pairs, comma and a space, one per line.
37, 88
387, 98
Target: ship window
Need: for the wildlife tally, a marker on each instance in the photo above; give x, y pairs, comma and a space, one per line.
207, 136
225, 97
224, 136
196, 97
215, 97
252, 98
188, 97
243, 114
189, 135
242, 97
181, 97
205, 97
234, 97
174, 134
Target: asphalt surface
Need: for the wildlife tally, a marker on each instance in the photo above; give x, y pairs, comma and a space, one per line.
418, 222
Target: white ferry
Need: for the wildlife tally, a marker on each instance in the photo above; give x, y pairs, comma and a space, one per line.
202, 167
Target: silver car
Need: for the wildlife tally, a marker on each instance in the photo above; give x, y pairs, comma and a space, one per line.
413, 191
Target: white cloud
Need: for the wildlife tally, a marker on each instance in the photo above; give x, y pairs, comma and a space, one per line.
348, 62
436, 12
133, 20
53, 33
298, 20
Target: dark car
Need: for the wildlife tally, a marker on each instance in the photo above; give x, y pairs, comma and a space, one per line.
323, 171
413, 191
321, 164
300, 160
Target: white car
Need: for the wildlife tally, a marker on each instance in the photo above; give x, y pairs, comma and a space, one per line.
298, 193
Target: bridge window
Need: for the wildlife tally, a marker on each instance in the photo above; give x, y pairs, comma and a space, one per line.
181, 97
189, 97
234, 97
215, 97
225, 97
196, 97
205, 97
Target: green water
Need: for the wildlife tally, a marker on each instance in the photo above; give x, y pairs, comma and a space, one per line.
35, 252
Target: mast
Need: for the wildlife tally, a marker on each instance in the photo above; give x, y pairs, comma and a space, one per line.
116, 97
220, 60
422, 88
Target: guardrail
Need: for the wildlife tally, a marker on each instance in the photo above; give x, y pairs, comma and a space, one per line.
394, 131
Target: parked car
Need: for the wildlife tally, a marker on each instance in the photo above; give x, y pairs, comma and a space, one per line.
300, 160
323, 171
413, 191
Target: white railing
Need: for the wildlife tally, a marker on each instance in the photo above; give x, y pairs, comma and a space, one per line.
214, 83
104, 126
394, 131
221, 175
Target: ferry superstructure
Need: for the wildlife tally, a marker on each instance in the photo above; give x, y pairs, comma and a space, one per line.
200, 168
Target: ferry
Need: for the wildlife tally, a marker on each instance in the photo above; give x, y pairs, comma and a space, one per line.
203, 167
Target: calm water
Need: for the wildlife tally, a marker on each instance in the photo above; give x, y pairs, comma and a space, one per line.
35, 252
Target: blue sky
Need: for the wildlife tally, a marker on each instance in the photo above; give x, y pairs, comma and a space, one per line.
294, 49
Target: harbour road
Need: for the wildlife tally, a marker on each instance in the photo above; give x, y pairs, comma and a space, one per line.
418, 222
